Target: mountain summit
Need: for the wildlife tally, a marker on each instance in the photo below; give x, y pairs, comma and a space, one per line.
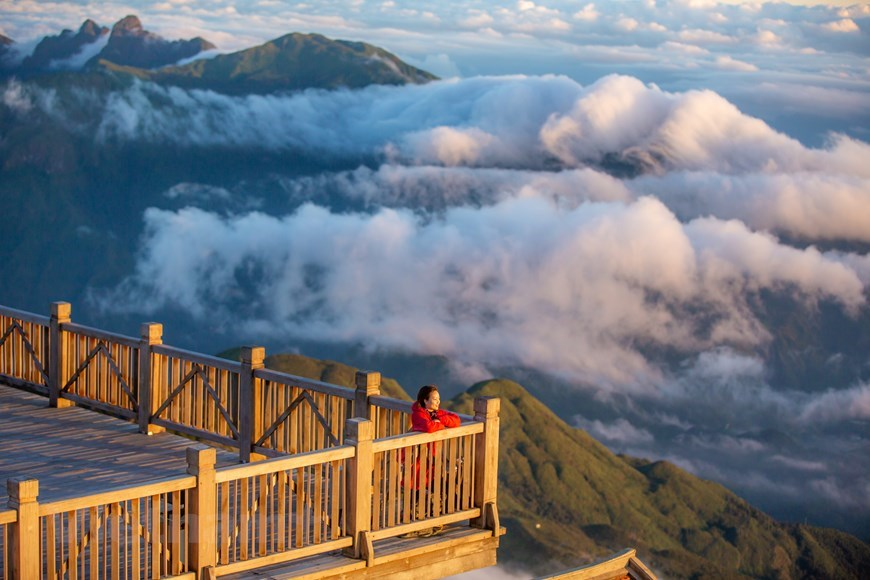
131, 45
292, 62
52, 50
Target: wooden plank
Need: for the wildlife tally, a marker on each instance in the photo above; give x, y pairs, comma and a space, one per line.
94, 543
244, 519
118, 495
303, 383
24, 316
262, 505
194, 432
73, 531
8, 517
176, 532
197, 358
97, 334
155, 537
427, 523
318, 508
224, 515
93, 403
298, 528
287, 556
135, 557
290, 463
50, 547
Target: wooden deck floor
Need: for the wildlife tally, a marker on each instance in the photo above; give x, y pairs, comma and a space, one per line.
75, 451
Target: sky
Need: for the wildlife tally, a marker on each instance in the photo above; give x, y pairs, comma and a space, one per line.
492, 227
802, 67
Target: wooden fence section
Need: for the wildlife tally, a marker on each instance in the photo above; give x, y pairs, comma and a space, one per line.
282, 509
100, 369
430, 482
24, 355
134, 533
195, 394
294, 415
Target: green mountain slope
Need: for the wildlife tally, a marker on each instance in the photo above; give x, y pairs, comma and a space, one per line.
567, 500
294, 62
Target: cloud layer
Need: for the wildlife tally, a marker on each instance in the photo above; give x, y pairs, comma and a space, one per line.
521, 282
485, 139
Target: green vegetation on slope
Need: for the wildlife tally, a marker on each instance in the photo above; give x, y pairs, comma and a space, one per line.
567, 500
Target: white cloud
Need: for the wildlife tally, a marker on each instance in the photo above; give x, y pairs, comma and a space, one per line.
726, 62
768, 37
615, 433
587, 14
834, 406
627, 24
846, 25
16, 96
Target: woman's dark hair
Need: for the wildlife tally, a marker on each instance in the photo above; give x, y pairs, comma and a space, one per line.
424, 393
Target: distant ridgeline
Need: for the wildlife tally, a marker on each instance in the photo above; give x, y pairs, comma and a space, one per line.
292, 62
567, 500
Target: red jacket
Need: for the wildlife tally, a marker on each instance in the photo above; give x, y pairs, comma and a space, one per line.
422, 420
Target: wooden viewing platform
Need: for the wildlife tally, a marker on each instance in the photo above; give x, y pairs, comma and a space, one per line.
302, 478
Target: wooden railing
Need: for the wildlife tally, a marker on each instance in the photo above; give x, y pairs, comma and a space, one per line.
99, 369
423, 484
195, 394
24, 352
140, 532
355, 474
282, 509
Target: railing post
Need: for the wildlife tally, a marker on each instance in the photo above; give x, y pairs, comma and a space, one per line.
150, 333
202, 510
23, 552
359, 433
486, 457
368, 384
60, 314
250, 414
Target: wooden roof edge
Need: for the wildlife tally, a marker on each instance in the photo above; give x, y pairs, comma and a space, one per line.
624, 563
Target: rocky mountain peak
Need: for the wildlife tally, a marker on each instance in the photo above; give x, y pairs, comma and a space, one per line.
91, 28
128, 26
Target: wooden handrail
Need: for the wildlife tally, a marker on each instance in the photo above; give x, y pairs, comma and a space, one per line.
277, 464
100, 334
415, 438
8, 517
303, 383
118, 495
24, 316
198, 358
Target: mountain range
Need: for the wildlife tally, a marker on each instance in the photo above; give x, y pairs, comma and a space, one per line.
293, 62
567, 500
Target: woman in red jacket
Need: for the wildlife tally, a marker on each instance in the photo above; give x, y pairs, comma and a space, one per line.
427, 415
